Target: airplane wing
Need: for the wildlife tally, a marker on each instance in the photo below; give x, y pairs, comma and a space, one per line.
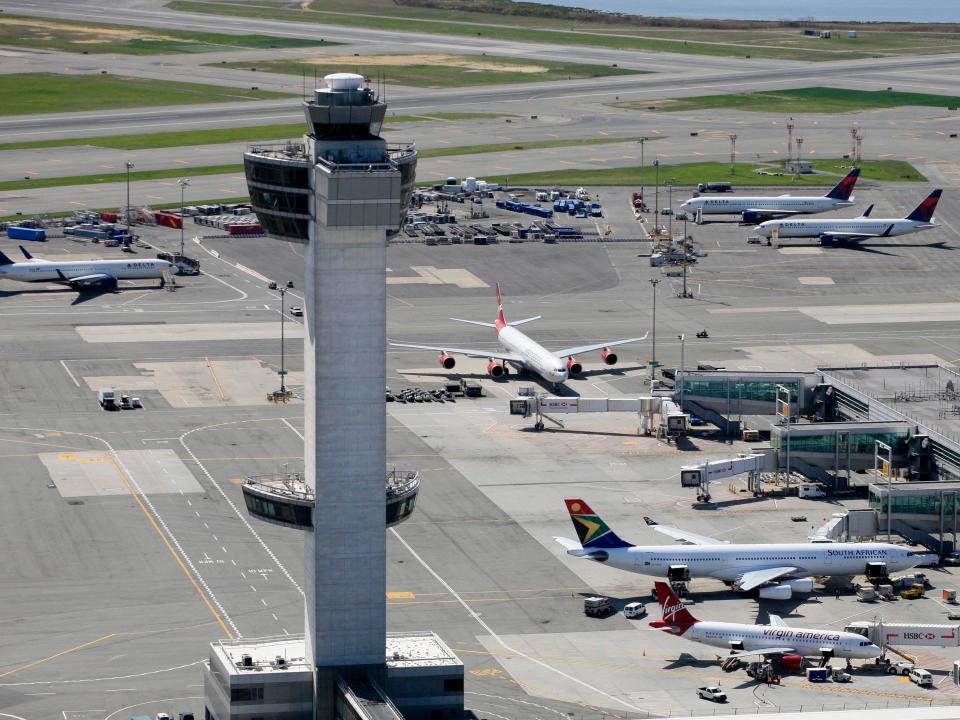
855, 236
764, 652
756, 578
777, 621
754, 213
688, 537
463, 351
596, 346
98, 280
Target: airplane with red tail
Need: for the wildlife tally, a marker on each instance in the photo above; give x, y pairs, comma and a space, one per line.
522, 352
789, 644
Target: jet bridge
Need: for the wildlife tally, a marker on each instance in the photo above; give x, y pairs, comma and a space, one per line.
700, 476
660, 416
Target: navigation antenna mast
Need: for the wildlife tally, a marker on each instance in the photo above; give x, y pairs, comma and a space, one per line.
733, 153
859, 139
790, 126
853, 140
796, 167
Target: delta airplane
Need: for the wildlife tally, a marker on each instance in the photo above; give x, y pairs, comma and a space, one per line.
776, 570
82, 274
757, 209
523, 352
777, 638
855, 229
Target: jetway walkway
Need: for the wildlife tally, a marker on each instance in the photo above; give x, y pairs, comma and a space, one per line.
657, 415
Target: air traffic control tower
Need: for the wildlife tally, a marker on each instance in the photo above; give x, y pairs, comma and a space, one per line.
341, 192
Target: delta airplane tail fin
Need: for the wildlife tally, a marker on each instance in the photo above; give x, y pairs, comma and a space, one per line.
924, 211
501, 320
676, 618
4, 260
593, 532
844, 188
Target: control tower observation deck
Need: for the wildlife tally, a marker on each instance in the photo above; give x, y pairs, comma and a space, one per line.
293, 184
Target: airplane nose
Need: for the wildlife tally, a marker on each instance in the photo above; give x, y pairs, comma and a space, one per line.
761, 230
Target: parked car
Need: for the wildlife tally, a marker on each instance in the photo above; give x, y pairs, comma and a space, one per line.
952, 559
634, 610
921, 677
296, 311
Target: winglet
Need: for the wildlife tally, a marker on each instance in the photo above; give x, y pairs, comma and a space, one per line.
4, 260
501, 320
27, 255
844, 188
866, 213
924, 211
593, 532
650, 520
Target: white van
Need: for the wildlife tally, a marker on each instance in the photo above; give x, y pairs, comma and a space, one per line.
634, 610
921, 677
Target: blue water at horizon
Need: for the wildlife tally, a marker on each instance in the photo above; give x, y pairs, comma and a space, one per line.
918, 11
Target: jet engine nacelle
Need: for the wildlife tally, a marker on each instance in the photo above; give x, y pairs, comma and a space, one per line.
447, 362
610, 358
792, 663
776, 592
494, 369
751, 217
800, 585
574, 367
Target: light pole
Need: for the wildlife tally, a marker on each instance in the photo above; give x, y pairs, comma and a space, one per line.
183, 183
686, 293
129, 167
643, 200
656, 198
682, 338
653, 363
670, 184
283, 371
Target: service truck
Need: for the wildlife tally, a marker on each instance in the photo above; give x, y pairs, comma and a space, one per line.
15, 232
715, 187
108, 399
713, 693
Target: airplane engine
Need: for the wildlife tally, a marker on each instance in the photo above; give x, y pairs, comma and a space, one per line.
610, 358
494, 369
574, 367
800, 585
108, 283
792, 663
752, 218
776, 592
447, 362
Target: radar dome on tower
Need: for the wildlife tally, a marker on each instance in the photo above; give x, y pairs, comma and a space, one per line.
343, 81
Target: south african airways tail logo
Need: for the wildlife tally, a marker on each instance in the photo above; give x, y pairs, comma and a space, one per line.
592, 531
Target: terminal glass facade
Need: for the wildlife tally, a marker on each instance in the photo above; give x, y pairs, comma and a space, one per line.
928, 504
826, 443
761, 390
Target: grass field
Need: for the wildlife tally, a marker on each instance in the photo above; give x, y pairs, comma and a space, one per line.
777, 42
254, 133
42, 93
682, 174
77, 37
801, 100
689, 174
436, 71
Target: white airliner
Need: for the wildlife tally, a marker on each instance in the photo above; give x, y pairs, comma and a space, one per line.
757, 209
745, 640
82, 274
776, 570
855, 229
523, 352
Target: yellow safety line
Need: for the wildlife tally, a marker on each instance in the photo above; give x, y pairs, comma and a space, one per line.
214, 376
56, 655
176, 556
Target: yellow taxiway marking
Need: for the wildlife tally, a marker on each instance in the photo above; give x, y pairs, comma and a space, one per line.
214, 376
400, 595
166, 541
48, 658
